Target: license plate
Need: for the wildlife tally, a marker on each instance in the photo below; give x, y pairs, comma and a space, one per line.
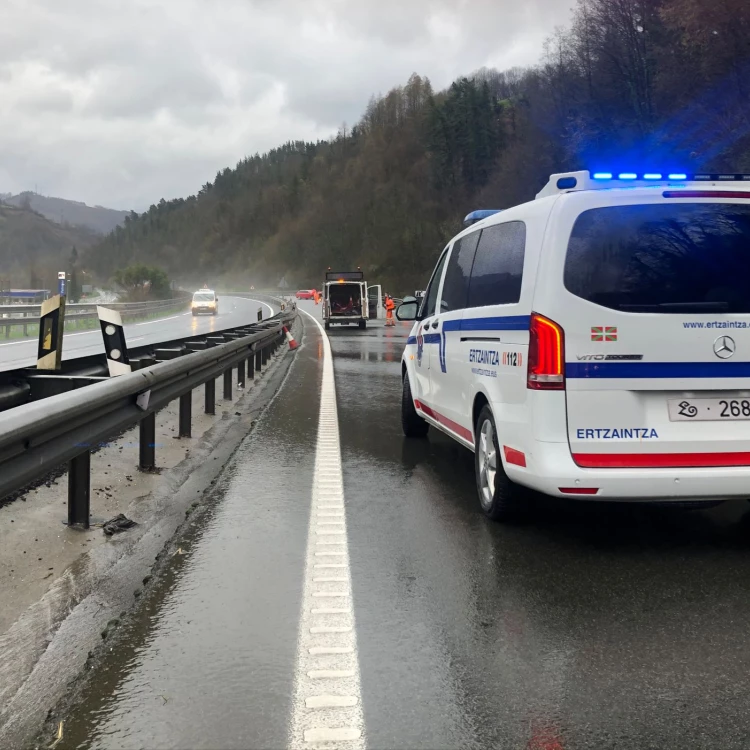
708, 409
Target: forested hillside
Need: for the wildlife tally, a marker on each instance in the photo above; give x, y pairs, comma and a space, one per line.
632, 83
71, 213
33, 249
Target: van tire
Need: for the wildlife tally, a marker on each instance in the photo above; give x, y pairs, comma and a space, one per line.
327, 325
363, 324
412, 424
500, 503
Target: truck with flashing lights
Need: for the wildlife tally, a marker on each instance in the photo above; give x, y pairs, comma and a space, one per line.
345, 300
593, 343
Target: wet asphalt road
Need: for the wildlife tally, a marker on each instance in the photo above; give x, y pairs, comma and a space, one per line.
583, 626
233, 311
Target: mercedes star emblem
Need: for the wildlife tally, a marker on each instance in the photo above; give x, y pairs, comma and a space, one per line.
724, 347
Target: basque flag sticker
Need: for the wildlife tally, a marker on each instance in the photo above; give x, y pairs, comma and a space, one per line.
604, 333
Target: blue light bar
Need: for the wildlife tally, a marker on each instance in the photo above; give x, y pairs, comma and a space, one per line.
476, 216
652, 176
678, 176
602, 175
628, 176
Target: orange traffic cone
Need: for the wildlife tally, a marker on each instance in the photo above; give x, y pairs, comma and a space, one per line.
292, 343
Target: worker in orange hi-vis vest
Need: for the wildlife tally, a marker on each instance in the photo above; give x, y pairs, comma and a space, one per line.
390, 306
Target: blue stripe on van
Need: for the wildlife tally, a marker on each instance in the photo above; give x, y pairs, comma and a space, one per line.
657, 369
503, 323
500, 323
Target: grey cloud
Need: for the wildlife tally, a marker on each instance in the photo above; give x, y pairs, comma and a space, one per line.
121, 102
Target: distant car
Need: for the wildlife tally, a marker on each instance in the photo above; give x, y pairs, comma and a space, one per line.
305, 294
205, 301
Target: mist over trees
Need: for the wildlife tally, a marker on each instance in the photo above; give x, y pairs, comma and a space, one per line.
631, 84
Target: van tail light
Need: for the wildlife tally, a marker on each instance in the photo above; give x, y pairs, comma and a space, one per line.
546, 355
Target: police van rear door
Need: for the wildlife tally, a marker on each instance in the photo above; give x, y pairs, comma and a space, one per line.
652, 290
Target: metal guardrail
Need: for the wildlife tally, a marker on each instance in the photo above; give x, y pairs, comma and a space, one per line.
38, 437
26, 315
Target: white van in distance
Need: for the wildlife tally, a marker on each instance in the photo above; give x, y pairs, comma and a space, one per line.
205, 301
594, 343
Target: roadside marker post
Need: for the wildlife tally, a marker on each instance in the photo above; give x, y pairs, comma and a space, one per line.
51, 324
115, 345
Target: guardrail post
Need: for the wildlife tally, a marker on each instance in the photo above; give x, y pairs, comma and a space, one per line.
264, 353
147, 427
186, 414
258, 361
211, 396
241, 374
79, 490
228, 384
251, 367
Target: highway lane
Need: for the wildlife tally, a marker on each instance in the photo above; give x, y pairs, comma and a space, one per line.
233, 311
583, 626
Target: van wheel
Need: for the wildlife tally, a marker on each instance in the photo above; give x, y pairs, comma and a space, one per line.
363, 324
412, 424
498, 496
327, 325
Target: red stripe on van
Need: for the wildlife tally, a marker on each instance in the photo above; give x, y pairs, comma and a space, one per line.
659, 460
443, 420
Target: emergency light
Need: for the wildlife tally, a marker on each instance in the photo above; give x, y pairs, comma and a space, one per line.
476, 216
584, 180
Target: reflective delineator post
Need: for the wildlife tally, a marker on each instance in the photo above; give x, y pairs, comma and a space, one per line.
113, 333
51, 325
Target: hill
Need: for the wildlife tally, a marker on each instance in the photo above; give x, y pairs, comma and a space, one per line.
33, 249
611, 92
96, 218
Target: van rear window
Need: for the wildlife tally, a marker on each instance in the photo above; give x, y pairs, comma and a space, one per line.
670, 258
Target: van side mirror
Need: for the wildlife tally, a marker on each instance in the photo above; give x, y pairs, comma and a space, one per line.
408, 309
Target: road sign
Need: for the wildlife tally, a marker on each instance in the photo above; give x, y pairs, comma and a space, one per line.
51, 323
61, 283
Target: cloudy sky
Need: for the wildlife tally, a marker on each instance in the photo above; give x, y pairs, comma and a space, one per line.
121, 102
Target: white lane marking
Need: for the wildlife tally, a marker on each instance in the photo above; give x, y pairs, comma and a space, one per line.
265, 304
160, 320
331, 629
335, 718
331, 701
329, 594
340, 734
318, 650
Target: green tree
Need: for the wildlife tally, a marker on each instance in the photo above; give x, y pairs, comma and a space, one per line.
142, 282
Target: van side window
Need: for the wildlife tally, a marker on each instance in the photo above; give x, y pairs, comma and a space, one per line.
430, 298
457, 274
498, 265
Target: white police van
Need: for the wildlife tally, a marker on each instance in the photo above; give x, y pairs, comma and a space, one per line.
593, 343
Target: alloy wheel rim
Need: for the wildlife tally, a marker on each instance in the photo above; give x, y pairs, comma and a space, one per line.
487, 460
